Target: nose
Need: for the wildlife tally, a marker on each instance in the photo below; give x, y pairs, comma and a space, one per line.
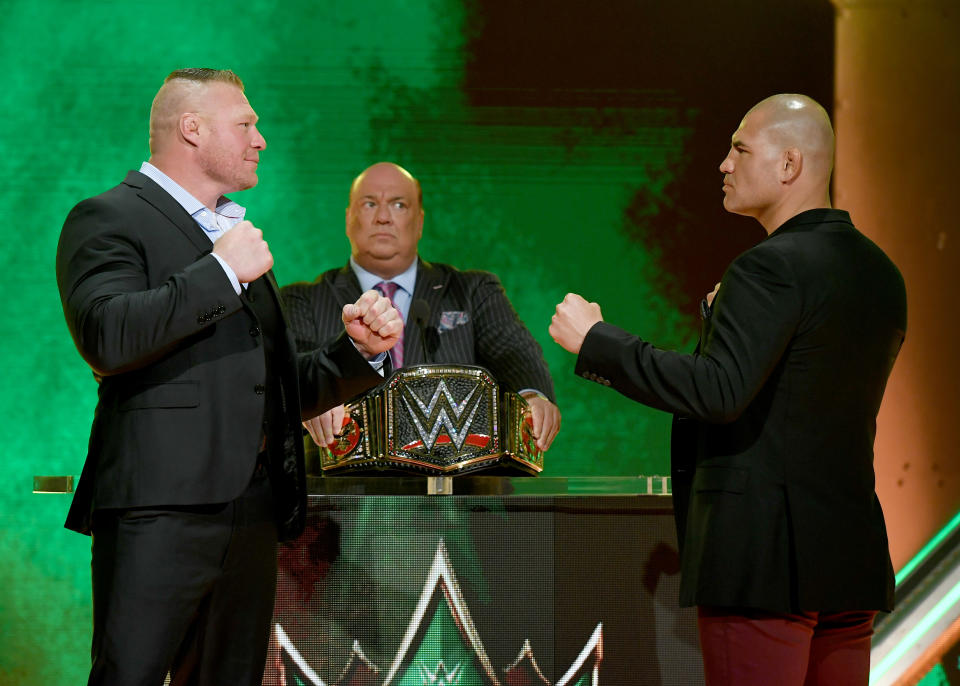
726, 167
382, 214
258, 141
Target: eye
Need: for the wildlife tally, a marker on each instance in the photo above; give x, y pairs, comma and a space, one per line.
400, 205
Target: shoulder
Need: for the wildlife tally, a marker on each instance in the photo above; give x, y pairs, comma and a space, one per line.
448, 272
776, 253
329, 278
109, 201
325, 293
112, 209
106, 216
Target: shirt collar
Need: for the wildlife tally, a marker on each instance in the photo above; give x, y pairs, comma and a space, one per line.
405, 280
822, 218
225, 206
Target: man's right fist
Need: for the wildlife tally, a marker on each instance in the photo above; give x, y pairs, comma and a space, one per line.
244, 249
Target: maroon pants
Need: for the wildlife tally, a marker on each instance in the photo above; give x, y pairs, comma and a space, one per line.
745, 647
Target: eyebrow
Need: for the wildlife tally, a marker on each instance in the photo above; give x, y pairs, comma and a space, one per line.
370, 196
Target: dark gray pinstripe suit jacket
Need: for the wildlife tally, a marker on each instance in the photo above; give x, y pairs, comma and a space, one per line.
491, 334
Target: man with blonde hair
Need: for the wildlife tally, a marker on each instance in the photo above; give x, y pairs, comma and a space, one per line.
782, 539
195, 462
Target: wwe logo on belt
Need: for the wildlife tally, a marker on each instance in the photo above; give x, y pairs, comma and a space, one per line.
442, 411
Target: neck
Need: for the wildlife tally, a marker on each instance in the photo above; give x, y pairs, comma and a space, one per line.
774, 217
385, 269
185, 173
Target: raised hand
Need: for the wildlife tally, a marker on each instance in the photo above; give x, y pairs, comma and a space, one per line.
244, 249
573, 319
373, 323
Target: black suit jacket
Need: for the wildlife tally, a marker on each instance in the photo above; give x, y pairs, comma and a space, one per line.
180, 361
470, 321
776, 418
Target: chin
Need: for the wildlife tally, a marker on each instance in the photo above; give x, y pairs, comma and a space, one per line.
730, 206
247, 182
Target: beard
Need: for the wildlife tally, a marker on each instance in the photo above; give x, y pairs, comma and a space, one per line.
229, 169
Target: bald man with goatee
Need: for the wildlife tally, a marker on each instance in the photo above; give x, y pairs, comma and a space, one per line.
782, 539
195, 463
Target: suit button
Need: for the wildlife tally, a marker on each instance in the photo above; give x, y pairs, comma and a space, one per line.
259, 389
254, 331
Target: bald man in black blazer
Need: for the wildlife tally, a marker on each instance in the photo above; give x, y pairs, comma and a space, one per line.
452, 316
782, 538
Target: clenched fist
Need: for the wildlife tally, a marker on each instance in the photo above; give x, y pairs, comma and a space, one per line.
573, 319
244, 249
373, 323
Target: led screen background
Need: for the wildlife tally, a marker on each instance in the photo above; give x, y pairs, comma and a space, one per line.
564, 148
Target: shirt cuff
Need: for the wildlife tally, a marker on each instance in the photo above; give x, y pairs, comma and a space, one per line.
377, 362
234, 281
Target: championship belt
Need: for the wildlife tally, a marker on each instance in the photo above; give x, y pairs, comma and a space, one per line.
436, 420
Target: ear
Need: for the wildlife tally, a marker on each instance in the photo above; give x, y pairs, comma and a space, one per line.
791, 162
420, 227
190, 127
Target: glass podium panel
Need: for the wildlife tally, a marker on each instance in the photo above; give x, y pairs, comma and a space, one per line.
493, 580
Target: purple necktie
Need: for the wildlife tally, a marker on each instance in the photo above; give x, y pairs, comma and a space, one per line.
388, 289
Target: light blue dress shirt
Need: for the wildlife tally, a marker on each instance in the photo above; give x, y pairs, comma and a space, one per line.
405, 282
214, 223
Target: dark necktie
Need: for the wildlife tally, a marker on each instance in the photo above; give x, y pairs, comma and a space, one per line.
388, 289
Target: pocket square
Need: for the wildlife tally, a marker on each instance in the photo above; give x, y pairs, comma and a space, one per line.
451, 320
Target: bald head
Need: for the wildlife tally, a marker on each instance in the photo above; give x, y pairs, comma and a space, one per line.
780, 160
385, 219
791, 120
182, 91
390, 171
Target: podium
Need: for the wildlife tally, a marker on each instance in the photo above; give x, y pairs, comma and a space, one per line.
483, 580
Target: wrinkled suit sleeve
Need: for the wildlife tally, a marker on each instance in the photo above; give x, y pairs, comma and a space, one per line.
118, 322
753, 319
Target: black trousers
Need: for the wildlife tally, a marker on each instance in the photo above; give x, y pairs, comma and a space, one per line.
188, 590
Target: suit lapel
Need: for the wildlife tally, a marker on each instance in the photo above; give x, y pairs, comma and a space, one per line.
346, 286
430, 286
170, 208
274, 289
